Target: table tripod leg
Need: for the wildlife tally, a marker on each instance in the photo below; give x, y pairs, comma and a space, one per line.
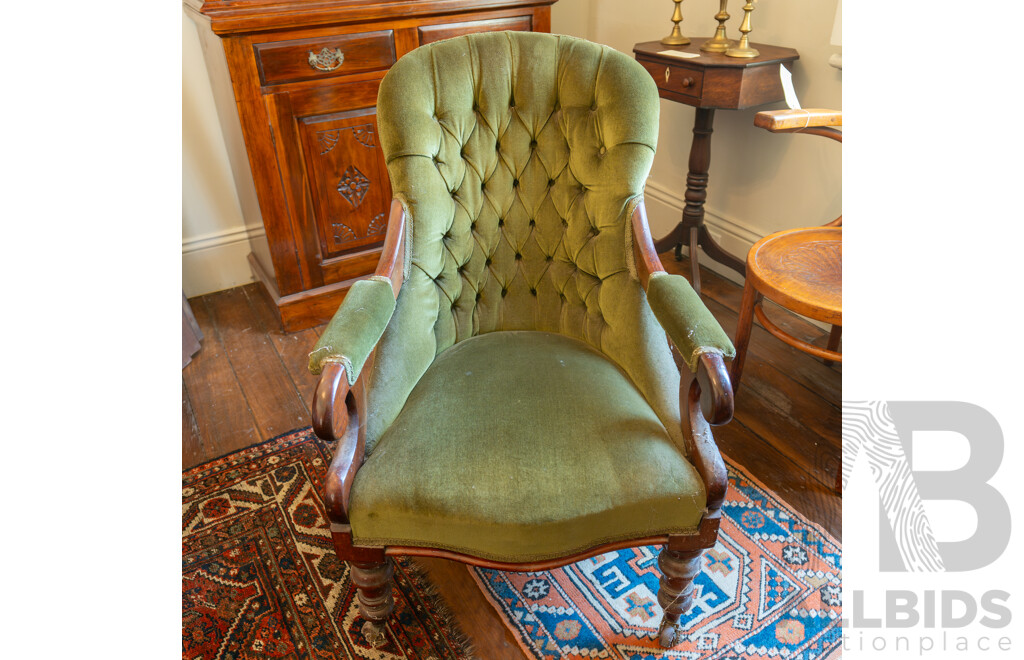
716, 252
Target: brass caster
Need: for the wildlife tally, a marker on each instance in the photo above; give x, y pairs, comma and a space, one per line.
668, 634
374, 635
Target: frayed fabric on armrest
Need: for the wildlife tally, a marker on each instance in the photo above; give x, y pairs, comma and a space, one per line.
685, 318
356, 328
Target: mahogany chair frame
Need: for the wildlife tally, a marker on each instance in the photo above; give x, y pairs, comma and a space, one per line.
339, 415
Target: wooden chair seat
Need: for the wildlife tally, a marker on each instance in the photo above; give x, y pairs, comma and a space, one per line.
802, 270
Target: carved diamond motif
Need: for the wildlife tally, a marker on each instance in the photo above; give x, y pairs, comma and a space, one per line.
353, 186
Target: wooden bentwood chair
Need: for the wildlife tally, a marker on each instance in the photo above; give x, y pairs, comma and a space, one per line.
800, 269
506, 391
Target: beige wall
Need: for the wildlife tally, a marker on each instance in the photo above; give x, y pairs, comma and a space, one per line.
759, 182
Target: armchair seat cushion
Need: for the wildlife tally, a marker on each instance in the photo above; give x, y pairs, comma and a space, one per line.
522, 446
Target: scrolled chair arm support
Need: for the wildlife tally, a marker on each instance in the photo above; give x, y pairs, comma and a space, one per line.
346, 346
696, 336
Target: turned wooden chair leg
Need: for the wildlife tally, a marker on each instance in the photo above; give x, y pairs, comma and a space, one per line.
373, 582
833, 341
744, 326
678, 569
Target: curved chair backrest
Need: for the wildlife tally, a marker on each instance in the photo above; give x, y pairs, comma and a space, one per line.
812, 121
519, 158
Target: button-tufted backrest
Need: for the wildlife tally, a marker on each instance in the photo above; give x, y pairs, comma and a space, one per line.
518, 156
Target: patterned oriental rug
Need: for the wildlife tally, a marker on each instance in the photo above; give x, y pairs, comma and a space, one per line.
260, 580
259, 574
770, 588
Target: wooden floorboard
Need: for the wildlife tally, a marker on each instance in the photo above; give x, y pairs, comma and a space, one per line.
249, 382
476, 616
292, 347
268, 388
219, 408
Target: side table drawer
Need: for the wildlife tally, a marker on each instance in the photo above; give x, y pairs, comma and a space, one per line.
676, 78
324, 57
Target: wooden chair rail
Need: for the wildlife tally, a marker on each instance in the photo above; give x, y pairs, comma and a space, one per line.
702, 537
796, 119
392, 258
800, 344
644, 253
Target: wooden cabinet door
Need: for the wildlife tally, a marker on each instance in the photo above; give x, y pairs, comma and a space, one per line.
335, 177
347, 179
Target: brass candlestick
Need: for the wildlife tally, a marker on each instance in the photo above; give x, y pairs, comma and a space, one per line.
743, 49
676, 38
719, 43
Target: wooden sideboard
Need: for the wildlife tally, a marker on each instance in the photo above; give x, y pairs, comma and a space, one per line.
303, 78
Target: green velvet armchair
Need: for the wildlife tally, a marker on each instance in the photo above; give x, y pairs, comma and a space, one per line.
506, 390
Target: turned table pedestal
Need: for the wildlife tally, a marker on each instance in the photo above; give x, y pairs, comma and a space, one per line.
709, 82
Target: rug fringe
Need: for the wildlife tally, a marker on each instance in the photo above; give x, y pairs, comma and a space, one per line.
463, 644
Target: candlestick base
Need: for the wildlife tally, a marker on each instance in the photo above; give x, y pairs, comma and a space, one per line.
717, 45
676, 38
742, 50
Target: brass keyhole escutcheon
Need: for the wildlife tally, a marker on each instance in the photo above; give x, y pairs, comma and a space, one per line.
667, 72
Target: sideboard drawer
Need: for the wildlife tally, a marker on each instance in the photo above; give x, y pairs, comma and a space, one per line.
428, 34
311, 59
678, 79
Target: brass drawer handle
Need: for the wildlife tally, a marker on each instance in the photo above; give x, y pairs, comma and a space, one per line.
327, 59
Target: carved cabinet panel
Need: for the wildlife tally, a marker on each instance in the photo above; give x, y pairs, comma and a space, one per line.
349, 181
304, 82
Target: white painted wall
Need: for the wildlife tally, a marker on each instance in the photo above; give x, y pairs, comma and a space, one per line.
214, 236
759, 182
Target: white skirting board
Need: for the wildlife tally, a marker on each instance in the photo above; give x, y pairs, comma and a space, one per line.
665, 210
217, 261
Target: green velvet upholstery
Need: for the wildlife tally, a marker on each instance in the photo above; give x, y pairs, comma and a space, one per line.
521, 446
356, 327
686, 320
518, 158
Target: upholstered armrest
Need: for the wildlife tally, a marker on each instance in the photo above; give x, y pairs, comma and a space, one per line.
685, 319
698, 339
356, 328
